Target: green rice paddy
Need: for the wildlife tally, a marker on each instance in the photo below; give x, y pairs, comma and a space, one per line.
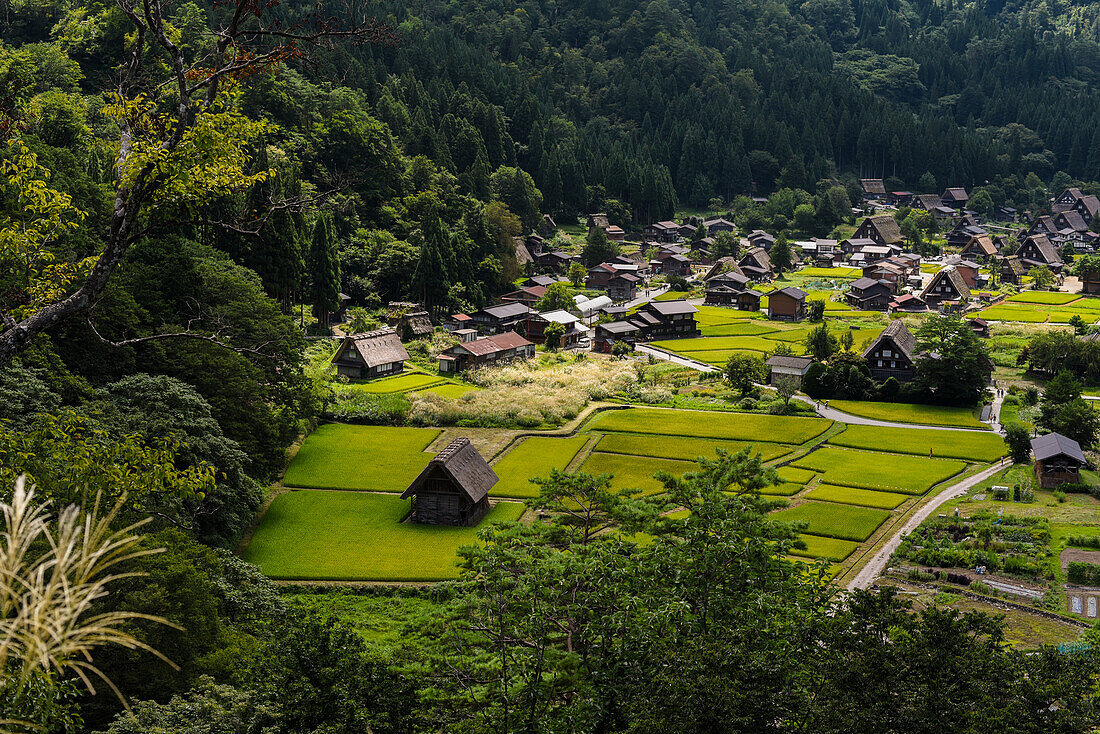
855, 496
929, 415
705, 424
678, 447
341, 536
969, 445
870, 470
634, 472
533, 457
845, 522
831, 549
400, 383
340, 456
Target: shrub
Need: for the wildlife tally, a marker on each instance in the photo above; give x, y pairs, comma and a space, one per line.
1083, 573
1072, 488
1083, 541
1059, 495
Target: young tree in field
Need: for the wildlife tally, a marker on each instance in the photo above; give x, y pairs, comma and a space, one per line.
786, 387
821, 343
846, 340
816, 310
781, 255
178, 150
598, 248
744, 370
558, 297
553, 333
1018, 441
954, 364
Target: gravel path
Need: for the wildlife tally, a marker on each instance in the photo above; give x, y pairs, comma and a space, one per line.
875, 566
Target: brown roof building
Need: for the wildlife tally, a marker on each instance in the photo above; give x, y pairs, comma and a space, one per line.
1058, 459
371, 354
883, 229
454, 487
947, 285
893, 354
487, 350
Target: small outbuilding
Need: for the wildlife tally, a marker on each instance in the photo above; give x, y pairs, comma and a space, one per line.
787, 304
454, 487
1058, 459
788, 366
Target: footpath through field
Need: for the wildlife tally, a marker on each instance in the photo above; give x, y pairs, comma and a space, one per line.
875, 566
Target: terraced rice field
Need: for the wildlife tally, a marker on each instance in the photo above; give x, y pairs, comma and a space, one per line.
969, 445
869, 470
845, 522
401, 383
1044, 306
831, 549
842, 273
634, 472
340, 456
855, 496
678, 447
533, 457
929, 415
705, 424
358, 536
1050, 298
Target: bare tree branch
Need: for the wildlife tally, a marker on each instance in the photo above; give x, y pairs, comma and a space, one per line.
215, 338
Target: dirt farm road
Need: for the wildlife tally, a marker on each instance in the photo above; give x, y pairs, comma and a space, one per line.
877, 564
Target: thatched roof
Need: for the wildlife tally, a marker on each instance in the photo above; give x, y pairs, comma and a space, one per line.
375, 347
464, 465
898, 333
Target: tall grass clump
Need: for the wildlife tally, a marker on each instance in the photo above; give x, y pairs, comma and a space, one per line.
526, 394
53, 569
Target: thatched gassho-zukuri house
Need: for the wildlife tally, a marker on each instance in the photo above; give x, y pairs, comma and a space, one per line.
371, 354
454, 487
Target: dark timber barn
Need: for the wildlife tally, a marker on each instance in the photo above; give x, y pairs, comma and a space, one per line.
454, 487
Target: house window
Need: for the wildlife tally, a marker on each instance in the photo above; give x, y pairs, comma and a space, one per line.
885, 352
1092, 606
880, 363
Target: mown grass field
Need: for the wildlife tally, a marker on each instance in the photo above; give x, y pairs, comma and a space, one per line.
845, 522
831, 549
340, 456
929, 415
344, 536
869, 470
533, 457
401, 383
634, 472
705, 424
678, 447
855, 496
970, 445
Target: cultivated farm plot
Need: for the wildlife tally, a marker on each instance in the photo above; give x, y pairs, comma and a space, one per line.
706, 344
678, 447
345, 536
719, 357
845, 522
341, 456
795, 475
845, 273
969, 445
533, 457
744, 328
786, 489
1050, 298
831, 549
930, 415
401, 383
706, 424
634, 472
715, 315
1020, 312
855, 496
870, 470
450, 390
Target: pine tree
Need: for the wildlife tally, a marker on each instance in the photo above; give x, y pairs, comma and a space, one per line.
430, 279
323, 266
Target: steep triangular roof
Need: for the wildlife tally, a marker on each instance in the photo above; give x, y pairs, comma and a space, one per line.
898, 333
464, 465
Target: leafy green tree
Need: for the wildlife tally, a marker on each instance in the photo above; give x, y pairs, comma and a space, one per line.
846, 340
598, 248
577, 274
1041, 276
554, 332
821, 343
954, 364
743, 371
1078, 324
517, 189
816, 310
431, 280
780, 255
558, 296
208, 707
1018, 441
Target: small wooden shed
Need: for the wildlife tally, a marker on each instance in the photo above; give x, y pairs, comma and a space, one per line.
1057, 459
454, 487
